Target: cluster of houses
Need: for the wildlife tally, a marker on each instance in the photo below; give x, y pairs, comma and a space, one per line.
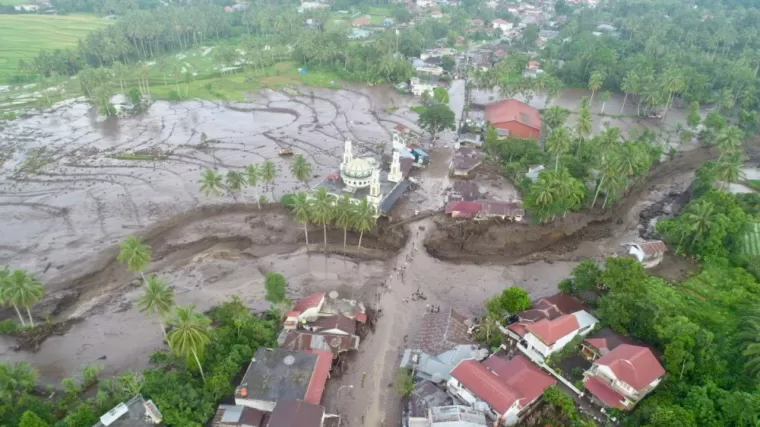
282, 387
459, 381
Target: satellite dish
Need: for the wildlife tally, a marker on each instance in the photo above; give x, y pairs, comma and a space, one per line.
289, 360
333, 295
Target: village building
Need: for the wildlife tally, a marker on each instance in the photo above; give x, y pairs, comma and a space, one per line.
441, 343
519, 118
337, 325
463, 209
418, 86
469, 140
425, 3
502, 24
463, 190
602, 342
362, 178
426, 395
136, 412
548, 326
303, 341
649, 254
481, 210
239, 416
624, 376
278, 374
361, 21
450, 416
466, 160
505, 389
299, 413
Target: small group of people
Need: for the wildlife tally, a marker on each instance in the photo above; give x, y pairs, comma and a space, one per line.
432, 308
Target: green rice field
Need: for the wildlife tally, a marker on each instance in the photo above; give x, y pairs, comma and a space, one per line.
23, 36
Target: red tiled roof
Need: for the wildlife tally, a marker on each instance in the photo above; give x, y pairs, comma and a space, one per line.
463, 209
485, 385
551, 308
604, 393
319, 376
312, 301
634, 365
500, 21
522, 375
518, 329
360, 316
654, 247
549, 331
512, 110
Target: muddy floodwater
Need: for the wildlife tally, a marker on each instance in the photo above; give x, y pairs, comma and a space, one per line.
71, 189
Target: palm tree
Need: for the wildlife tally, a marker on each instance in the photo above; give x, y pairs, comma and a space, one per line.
190, 333
605, 97
322, 210
585, 122
555, 116
21, 289
211, 183
135, 254
628, 86
729, 169
570, 190
158, 298
235, 181
345, 213
749, 336
699, 217
595, 82
302, 211
364, 219
301, 169
269, 173
558, 143
16, 379
541, 194
729, 139
252, 175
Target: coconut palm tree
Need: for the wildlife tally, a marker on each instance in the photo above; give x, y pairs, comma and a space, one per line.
21, 289
749, 336
269, 173
301, 169
585, 122
16, 379
729, 169
211, 183
235, 181
628, 86
345, 213
364, 219
700, 216
595, 82
253, 175
158, 298
322, 210
190, 334
302, 211
555, 116
729, 139
542, 194
135, 254
558, 143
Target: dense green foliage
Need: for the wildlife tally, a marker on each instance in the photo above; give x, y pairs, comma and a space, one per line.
511, 300
706, 327
175, 383
663, 53
275, 285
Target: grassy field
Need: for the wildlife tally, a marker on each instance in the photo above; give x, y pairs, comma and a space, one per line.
23, 36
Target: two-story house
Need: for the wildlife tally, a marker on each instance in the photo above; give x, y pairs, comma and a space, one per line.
549, 325
622, 377
505, 390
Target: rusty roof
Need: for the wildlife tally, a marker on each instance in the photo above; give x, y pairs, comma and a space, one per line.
236, 415
302, 340
469, 190
654, 247
319, 376
635, 365
440, 332
296, 413
512, 110
497, 208
463, 209
341, 323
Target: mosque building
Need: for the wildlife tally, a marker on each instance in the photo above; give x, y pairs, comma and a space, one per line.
364, 178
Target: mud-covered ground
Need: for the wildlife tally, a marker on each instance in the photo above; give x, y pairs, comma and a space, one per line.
63, 219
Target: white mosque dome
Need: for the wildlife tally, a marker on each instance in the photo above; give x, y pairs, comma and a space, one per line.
358, 169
